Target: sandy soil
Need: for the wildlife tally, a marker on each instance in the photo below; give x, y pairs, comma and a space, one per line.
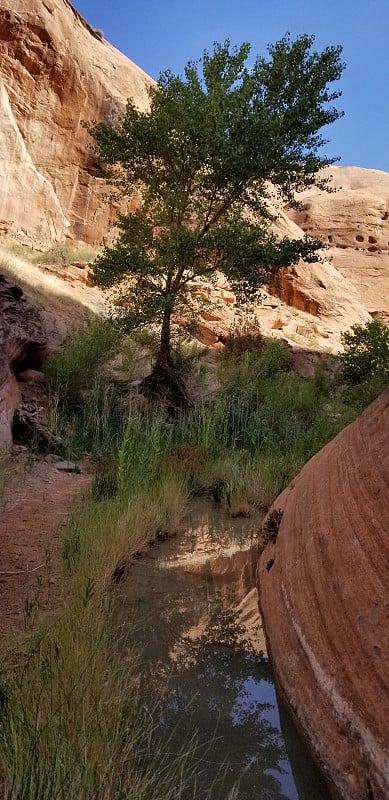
35, 501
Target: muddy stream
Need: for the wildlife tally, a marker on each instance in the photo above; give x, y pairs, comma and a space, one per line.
193, 602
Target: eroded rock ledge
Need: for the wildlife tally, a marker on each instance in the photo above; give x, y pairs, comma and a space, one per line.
22, 346
324, 596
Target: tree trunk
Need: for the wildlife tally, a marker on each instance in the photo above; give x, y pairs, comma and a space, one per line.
165, 384
164, 356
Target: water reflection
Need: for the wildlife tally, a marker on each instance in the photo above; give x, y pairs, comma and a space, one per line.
204, 653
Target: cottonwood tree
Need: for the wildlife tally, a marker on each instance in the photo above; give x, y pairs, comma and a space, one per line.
205, 158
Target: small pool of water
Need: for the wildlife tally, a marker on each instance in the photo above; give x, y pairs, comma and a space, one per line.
194, 605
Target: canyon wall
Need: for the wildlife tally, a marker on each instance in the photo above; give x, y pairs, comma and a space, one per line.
323, 586
55, 73
353, 221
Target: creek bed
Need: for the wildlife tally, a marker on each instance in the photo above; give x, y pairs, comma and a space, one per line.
192, 602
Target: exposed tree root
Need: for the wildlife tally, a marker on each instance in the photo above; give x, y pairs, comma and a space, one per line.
166, 385
27, 429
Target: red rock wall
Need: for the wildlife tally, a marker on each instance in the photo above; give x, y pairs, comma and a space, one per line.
324, 596
55, 73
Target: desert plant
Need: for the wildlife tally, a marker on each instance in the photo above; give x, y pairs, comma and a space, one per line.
64, 254
242, 338
201, 157
249, 359
366, 353
85, 350
358, 396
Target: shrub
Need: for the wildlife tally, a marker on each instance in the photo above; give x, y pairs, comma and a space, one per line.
245, 337
74, 369
361, 395
243, 372
366, 353
65, 254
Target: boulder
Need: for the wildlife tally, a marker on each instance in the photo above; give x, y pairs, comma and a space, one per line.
323, 583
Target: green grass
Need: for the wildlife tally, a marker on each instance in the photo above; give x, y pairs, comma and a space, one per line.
248, 441
57, 254
251, 438
74, 369
73, 721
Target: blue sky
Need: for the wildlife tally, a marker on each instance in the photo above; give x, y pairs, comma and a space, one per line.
160, 35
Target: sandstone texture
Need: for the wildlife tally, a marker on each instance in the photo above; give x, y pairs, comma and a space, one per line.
313, 304
22, 347
323, 581
354, 222
55, 73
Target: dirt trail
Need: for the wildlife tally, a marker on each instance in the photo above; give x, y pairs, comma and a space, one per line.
35, 502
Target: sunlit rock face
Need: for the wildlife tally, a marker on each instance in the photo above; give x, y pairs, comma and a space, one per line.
55, 73
353, 220
313, 304
324, 595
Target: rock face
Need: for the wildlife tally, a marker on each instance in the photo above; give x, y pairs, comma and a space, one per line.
314, 303
354, 222
22, 347
324, 595
55, 72
352, 284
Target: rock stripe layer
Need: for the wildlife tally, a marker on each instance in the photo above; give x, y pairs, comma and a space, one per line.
324, 596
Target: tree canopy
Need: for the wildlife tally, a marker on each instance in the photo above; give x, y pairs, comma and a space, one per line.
205, 159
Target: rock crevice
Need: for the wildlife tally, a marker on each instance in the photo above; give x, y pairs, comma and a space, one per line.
22, 346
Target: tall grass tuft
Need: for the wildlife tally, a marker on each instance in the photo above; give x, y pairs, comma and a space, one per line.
73, 721
72, 370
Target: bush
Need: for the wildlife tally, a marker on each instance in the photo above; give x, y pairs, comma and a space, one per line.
361, 395
74, 369
366, 353
65, 254
244, 337
243, 371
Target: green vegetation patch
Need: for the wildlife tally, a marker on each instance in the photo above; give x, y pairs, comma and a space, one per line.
74, 720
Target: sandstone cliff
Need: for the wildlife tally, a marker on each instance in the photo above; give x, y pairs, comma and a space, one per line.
55, 72
323, 583
354, 223
351, 285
